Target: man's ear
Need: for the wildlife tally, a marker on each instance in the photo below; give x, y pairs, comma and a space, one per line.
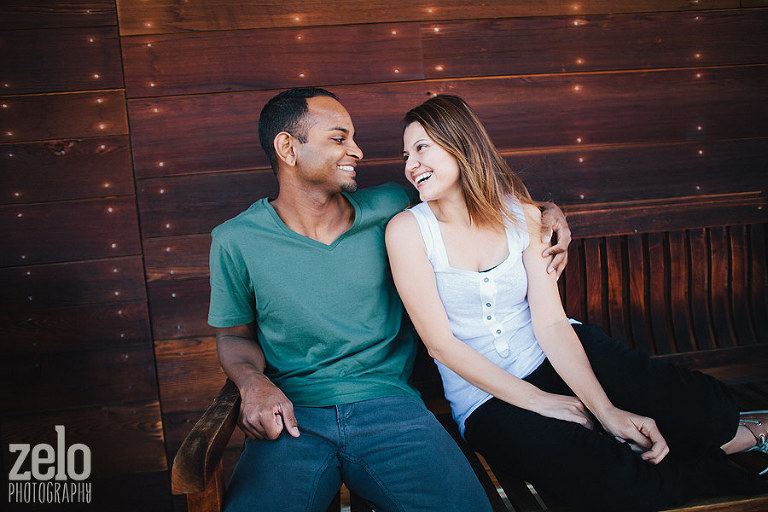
285, 148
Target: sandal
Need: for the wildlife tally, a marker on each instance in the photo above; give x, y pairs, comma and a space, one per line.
757, 423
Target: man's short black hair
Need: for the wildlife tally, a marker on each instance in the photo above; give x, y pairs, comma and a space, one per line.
284, 113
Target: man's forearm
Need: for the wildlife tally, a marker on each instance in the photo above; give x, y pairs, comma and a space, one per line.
240, 357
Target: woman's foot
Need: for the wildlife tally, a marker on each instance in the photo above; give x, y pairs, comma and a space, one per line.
757, 424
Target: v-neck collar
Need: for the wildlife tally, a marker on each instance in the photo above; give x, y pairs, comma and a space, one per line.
311, 241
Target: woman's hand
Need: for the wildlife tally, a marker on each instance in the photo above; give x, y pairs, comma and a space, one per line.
562, 407
637, 430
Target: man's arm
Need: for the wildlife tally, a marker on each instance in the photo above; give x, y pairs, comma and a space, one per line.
553, 220
264, 409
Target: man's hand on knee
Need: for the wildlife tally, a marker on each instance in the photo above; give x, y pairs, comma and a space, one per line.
265, 411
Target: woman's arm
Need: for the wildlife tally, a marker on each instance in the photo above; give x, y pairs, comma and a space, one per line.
564, 351
415, 281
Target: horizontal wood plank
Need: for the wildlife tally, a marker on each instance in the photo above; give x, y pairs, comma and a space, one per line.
21, 14
166, 16
54, 60
606, 174
63, 116
44, 287
594, 43
61, 380
248, 60
68, 231
172, 258
65, 169
189, 373
75, 328
666, 215
196, 204
519, 113
180, 308
725, 363
123, 439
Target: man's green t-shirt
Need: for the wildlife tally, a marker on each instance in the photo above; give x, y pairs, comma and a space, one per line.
327, 317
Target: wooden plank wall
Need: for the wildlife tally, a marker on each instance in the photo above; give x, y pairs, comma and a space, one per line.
128, 129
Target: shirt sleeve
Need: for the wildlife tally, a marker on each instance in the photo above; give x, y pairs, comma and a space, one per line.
232, 297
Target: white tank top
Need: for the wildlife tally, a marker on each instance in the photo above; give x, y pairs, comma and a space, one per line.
487, 310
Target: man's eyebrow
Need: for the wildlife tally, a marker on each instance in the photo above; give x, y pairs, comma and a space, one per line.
339, 129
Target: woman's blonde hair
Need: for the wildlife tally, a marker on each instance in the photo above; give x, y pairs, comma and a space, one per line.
485, 177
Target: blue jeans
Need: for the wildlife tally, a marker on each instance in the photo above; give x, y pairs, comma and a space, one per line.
391, 452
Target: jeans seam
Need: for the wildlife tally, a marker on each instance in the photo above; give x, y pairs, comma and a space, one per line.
320, 471
375, 477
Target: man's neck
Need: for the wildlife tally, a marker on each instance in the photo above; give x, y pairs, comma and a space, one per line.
315, 214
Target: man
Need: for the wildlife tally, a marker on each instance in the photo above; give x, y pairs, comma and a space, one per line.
309, 328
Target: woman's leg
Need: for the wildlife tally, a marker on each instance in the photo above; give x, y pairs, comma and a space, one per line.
693, 411
593, 471
574, 465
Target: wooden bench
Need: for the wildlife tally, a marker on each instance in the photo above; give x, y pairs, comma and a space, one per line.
685, 281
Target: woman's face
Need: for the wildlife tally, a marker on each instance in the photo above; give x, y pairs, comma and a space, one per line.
431, 169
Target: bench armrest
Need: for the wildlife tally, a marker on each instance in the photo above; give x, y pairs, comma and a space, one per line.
200, 454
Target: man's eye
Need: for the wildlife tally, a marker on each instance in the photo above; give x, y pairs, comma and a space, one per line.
339, 139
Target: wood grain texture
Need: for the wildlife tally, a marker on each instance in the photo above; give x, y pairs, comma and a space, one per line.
189, 373
595, 286
516, 46
616, 276
63, 116
626, 173
124, 438
742, 321
75, 328
720, 291
679, 286
257, 59
58, 170
44, 287
519, 113
21, 14
167, 16
638, 293
177, 257
666, 214
61, 60
758, 283
69, 231
700, 305
85, 378
196, 204
180, 308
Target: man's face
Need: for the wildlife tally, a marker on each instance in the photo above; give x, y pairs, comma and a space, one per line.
329, 156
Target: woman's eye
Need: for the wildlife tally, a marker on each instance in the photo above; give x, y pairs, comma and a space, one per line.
420, 147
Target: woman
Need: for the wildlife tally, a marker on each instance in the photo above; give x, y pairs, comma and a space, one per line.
531, 395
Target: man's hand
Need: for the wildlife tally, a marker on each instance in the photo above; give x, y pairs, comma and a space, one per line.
553, 220
264, 410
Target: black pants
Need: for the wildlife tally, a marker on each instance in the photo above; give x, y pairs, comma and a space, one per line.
592, 471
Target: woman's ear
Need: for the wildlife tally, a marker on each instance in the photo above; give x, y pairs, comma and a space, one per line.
285, 149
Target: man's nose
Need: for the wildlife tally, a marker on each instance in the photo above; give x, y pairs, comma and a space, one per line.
355, 151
